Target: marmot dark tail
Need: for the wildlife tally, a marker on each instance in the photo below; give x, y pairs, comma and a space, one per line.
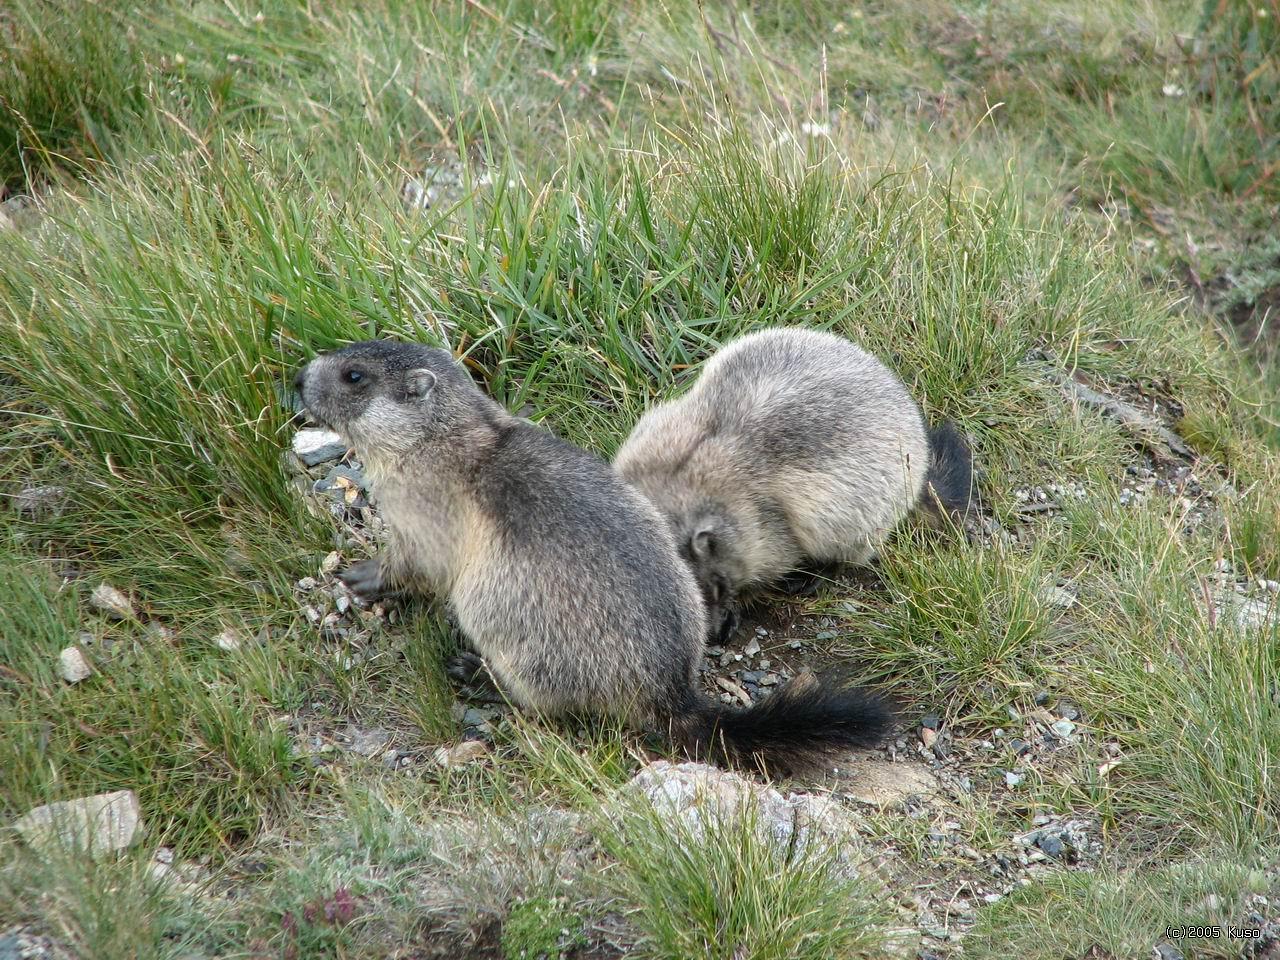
949, 486
799, 727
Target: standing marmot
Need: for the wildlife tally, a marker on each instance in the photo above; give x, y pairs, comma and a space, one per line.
792, 445
563, 577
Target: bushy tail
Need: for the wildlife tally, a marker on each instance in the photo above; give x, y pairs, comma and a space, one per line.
949, 486
798, 727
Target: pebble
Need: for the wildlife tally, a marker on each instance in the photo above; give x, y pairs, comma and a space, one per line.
1063, 729
751, 649
307, 584
460, 754
73, 666
1012, 780
1058, 597
1166, 951
314, 447
40, 503
331, 562
931, 721
112, 602
228, 640
1019, 747
97, 824
1067, 710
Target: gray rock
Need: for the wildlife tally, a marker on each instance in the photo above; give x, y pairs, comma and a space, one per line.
751, 649
112, 602
41, 503
19, 943
314, 447
73, 666
1166, 951
699, 795
367, 743
1019, 747
99, 824
1063, 729
1012, 780
1052, 845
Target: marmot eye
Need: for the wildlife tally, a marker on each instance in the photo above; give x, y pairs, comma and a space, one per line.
353, 376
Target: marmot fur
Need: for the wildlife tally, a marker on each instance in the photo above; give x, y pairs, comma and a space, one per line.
564, 578
792, 445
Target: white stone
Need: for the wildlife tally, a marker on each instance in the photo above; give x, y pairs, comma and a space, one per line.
97, 824
111, 602
228, 640
314, 446
73, 666
1058, 597
699, 795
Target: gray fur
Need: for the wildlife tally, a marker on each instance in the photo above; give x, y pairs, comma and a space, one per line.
792, 445
564, 578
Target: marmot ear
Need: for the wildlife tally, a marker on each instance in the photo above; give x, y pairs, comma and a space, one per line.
418, 383
703, 542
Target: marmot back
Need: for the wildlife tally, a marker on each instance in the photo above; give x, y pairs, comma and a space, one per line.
564, 578
792, 445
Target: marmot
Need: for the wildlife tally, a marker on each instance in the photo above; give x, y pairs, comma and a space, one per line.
563, 577
792, 445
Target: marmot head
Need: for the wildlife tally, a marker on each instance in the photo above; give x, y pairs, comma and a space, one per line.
380, 395
706, 540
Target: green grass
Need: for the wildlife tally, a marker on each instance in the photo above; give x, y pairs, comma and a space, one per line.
989, 197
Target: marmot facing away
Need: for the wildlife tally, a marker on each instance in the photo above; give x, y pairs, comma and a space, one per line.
792, 445
564, 578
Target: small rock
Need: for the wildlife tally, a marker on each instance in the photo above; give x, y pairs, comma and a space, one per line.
342, 604
751, 649
307, 584
73, 666
367, 743
697, 794
1058, 597
1051, 845
1019, 747
97, 824
460, 754
734, 690
1067, 710
314, 447
928, 736
1062, 729
1012, 780
112, 602
931, 721
228, 640
1166, 951
331, 562
41, 503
